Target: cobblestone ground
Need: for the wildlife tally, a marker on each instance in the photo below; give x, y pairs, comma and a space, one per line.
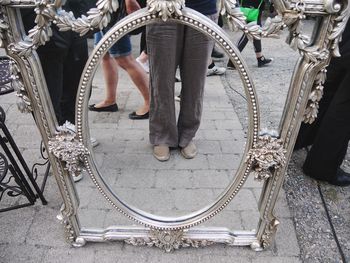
178, 186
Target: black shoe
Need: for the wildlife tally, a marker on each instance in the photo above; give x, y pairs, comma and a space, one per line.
135, 116
341, 178
216, 54
110, 108
230, 65
262, 61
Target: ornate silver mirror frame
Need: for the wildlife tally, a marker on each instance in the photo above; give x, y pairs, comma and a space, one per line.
266, 156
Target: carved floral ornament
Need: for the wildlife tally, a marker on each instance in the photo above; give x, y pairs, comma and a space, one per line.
315, 96
267, 156
68, 149
168, 240
270, 232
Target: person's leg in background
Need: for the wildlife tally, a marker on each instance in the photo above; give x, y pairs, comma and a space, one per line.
262, 61
52, 60
308, 132
142, 59
197, 50
242, 42
73, 68
110, 75
137, 75
214, 69
120, 56
163, 43
330, 144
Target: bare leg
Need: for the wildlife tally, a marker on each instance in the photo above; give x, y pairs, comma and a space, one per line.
139, 77
110, 74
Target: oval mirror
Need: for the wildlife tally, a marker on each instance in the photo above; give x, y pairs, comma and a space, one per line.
123, 163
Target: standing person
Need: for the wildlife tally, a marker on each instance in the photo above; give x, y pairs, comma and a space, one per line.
120, 55
330, 133
262, 61
171, 45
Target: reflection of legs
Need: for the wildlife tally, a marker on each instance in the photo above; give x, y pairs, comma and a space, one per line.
142, 59
110, 74
73, 68
193, 67
52, 60
139, 77
162, 43
242, 42
120, 54
262, 61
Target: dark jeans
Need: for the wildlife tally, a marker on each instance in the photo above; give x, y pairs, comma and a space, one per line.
62, 66
330, 133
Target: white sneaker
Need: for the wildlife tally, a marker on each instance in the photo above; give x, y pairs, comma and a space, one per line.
77, 178
145, 65
216, 71
71, 127
94, 142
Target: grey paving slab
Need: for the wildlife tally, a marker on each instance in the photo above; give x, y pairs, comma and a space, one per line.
21, 253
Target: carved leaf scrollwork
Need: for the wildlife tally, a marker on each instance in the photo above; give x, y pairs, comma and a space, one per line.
98, 17
165, 9
3, 29
315, 96
237, 21
267, 156
337, 30
168, 240
23, 103
270, 232
5, 2
38, 35
68, 149
46, 12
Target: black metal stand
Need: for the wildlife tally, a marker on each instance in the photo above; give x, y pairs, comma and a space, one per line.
20, 181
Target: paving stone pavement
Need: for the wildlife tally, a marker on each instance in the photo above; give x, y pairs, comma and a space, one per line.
176, 187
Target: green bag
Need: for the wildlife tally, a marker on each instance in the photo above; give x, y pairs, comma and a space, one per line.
251, 13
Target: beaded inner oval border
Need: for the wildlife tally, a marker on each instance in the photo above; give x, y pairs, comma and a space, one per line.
209, 28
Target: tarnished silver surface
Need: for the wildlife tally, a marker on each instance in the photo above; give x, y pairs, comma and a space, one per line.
23, 102
165, 9
68, 149
267, 156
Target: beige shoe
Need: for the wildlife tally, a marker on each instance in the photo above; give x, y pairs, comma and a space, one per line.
190, 151
161, 152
